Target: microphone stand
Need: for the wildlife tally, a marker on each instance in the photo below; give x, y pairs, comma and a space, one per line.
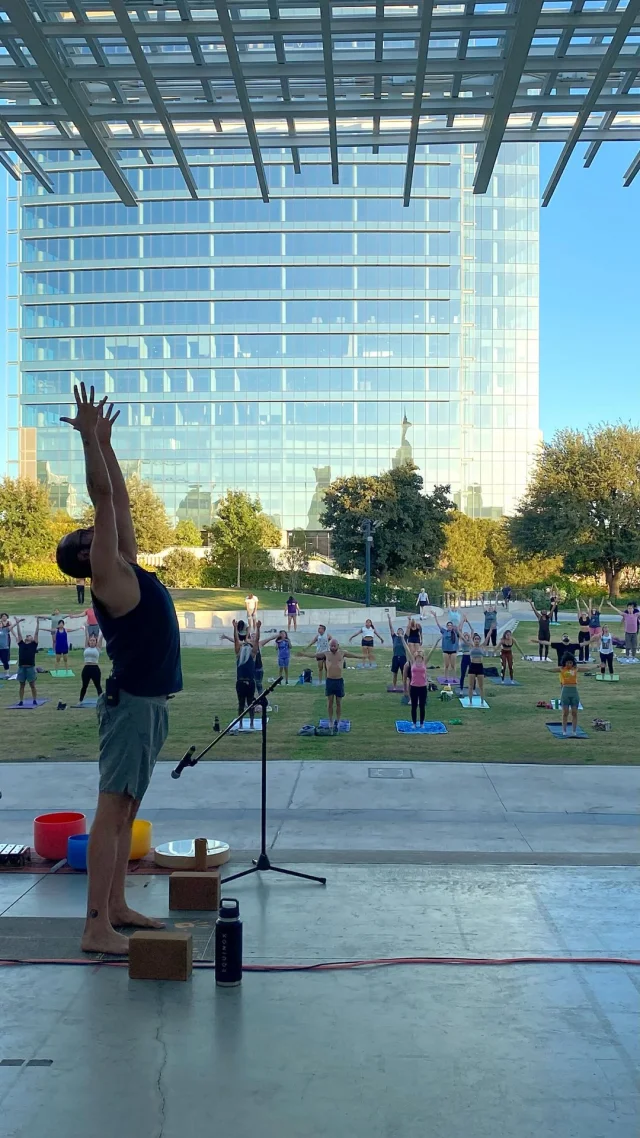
262, 862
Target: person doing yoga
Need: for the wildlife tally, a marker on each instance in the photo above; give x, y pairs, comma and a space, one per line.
631, 623
569, 695
544, 631
584, 633
604, 641
399, 650
367, 632
450, 641
5, 642
321, 641
334, 683
61, 645
137, 618
466, 641
283, 648
476, 667
246, 652
490, 625
413, 632
91, 673
506, 645
27, 648
418, 686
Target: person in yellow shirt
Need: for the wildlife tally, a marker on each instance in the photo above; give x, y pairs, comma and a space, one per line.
569, 695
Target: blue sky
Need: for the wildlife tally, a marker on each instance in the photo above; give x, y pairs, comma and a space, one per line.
589, 312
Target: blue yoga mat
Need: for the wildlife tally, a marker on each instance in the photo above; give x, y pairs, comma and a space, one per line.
556, 731
431, 727
27, 705
345, 725
505, 684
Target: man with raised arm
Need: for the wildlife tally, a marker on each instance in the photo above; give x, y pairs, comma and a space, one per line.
140, 629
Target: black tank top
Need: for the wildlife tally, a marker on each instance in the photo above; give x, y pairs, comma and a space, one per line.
144, 645
543, 628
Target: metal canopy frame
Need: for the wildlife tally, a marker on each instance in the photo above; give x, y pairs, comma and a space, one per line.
115, 76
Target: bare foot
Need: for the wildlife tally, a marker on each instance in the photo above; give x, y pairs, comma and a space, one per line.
122, 917
101, 940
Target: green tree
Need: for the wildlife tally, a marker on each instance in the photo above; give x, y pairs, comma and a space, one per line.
468, 568
150, 522
180, 570
187, 533
241, 534
509, 566
25, 523
61, 523
583, 502
409, 524
295, 561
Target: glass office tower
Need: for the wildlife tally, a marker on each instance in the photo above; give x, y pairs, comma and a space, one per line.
273, 348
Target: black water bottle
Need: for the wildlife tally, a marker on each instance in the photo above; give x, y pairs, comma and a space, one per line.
229, 944
216, 724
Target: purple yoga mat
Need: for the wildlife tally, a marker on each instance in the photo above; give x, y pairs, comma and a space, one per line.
27, 705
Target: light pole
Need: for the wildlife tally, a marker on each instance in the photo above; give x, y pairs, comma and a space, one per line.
367, 526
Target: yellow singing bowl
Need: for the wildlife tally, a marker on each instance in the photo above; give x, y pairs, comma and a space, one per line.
140, 839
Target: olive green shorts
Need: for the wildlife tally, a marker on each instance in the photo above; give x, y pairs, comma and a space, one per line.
131, 736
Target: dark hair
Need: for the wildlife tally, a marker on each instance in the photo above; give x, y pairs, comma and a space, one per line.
60, 622
240, 625
290, 598
568, 658
4, 614
72, 554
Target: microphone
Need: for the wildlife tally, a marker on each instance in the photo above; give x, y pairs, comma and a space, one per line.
185, 761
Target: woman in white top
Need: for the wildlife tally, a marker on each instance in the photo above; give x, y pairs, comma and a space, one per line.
91, 672
321, 641
367, 632
422, 603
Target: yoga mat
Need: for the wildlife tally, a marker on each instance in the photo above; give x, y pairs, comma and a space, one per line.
429, 727
366, 667
398, 691
607, 679
557, 706
343, 726
444, 681
62, 673
627, 660
504, 683
85, 703
556, 731
477, 702
247, 729
27, 705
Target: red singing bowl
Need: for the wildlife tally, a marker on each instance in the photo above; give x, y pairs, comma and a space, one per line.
51, 832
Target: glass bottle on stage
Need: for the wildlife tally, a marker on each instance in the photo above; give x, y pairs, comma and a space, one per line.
229, 944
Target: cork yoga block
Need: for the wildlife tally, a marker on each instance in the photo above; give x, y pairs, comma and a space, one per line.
157, 954
196, 891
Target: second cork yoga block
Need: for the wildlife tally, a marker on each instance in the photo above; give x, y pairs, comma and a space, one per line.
197, 891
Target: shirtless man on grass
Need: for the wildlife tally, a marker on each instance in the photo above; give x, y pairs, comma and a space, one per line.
334, 683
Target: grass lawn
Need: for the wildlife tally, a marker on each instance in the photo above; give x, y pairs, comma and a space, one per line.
29, 601
513, 730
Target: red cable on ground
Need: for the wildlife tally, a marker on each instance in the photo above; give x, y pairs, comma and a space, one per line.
380, 962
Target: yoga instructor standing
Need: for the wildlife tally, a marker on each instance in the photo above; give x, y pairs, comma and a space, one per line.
139, 625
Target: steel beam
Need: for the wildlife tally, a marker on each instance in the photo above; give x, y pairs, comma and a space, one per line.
31, 34
625, 23
418, 94
226, 30
329, 81
632, 171
516, 56
17, 145
151, 87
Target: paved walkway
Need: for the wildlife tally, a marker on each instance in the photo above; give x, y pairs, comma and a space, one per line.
353, 811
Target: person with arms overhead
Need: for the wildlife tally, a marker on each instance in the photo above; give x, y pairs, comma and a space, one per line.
138, 621
544, 631
399, 649
246, 653
27, 648
631, 624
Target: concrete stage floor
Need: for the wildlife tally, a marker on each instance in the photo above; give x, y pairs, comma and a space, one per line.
531, 1051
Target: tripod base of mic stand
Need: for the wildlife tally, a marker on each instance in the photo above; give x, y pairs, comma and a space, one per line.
262, 862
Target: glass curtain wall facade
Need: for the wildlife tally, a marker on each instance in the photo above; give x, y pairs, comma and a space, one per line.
273, 348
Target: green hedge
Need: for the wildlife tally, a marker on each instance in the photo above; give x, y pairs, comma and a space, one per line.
316, 584
37, 573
